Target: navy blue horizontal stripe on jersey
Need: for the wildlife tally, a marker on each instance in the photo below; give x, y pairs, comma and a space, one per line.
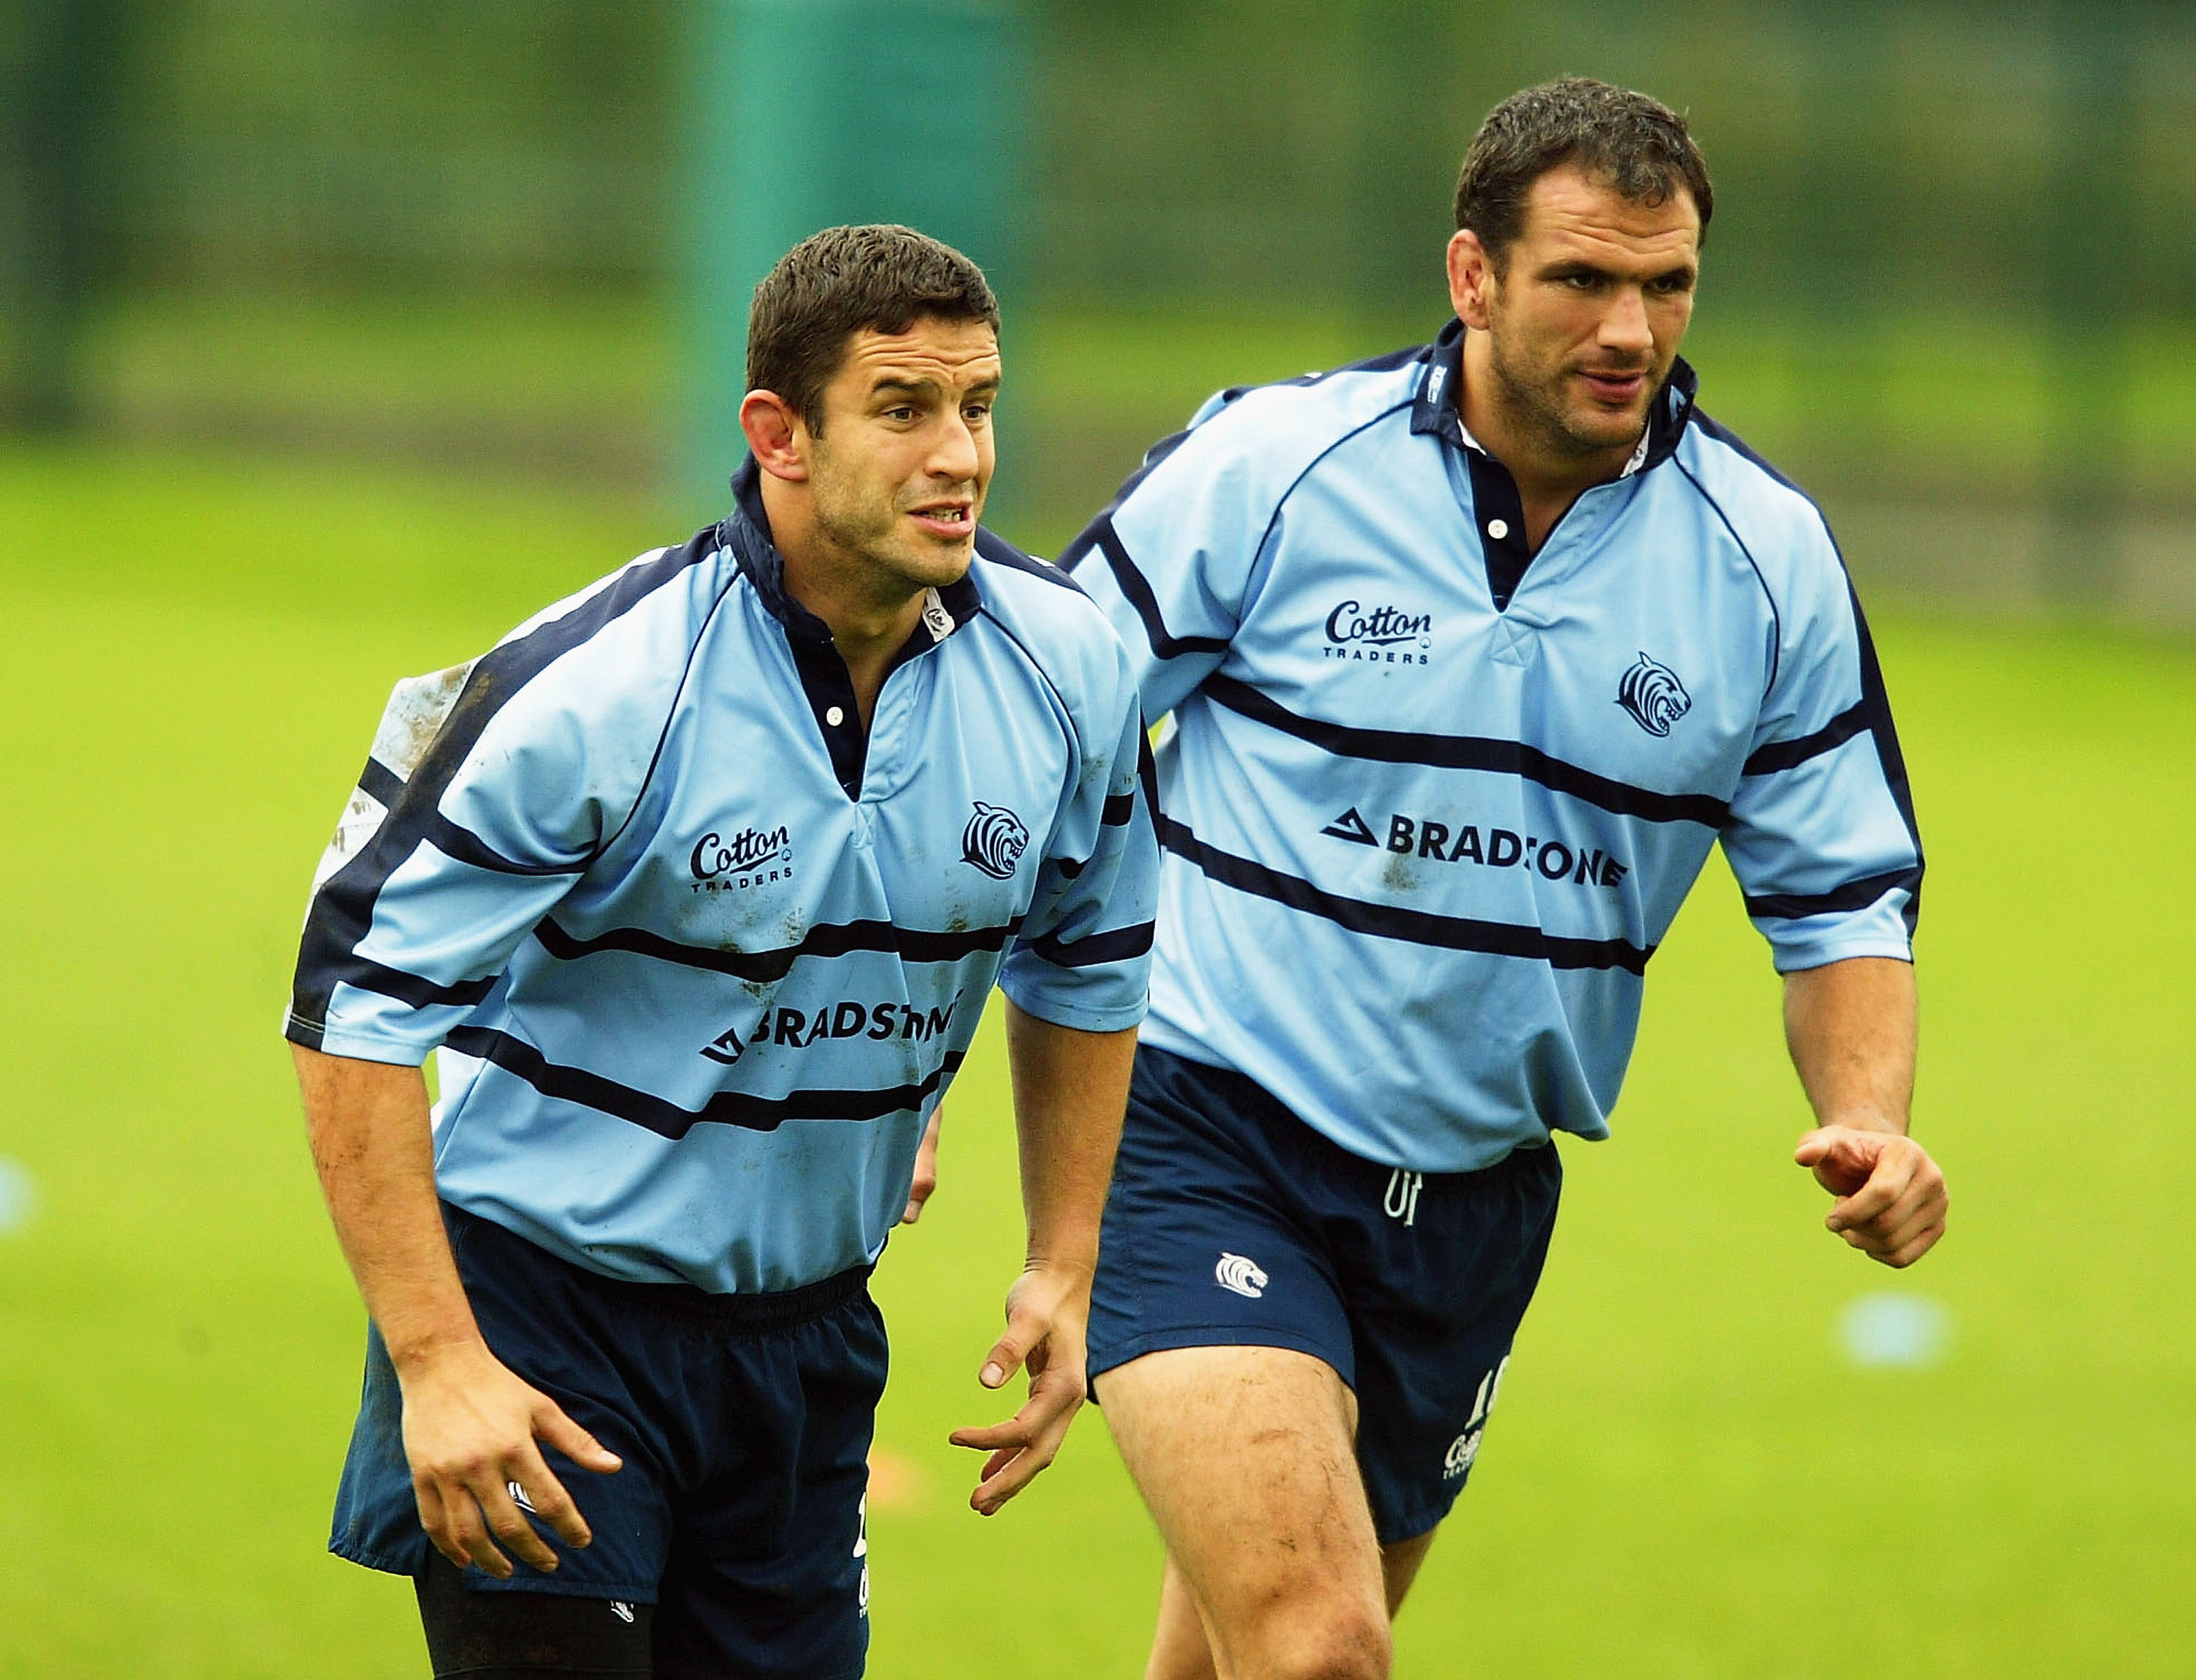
1788, 755
830, 939
420, 993
1118, 809
1112, 946
455, 840
1390, 921
1136, 590
343, 910
1466, 752
726, 1108
1854, 895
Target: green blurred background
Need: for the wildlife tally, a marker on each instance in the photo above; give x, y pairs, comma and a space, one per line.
341, 334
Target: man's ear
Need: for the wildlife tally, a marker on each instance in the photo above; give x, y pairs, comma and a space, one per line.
1471, 278
776, 434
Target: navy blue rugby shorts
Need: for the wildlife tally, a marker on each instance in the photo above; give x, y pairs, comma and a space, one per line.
744, 1422
1232, 1222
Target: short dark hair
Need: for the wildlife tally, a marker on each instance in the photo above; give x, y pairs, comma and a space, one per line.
833, 284
1622, 139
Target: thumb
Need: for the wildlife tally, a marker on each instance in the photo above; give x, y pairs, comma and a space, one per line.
1841, 1158
1025, 1329
559, 1431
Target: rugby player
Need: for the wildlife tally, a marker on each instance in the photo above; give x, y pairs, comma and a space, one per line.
1472, 652
699, 880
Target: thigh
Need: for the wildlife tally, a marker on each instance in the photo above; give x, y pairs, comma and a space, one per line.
1211, 1235
1435, 1305
768, 1572
1244, 1456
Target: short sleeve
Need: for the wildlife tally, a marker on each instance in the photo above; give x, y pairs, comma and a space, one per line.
1822, 833
1083, 956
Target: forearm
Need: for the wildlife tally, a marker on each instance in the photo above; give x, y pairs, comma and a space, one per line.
372, 1146
1069, 1090
1852, 1028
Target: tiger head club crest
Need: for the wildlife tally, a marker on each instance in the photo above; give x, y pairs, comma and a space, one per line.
994, 841
1652, 694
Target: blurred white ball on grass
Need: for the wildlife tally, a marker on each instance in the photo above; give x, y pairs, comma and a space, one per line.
1890, 1329
16, 1197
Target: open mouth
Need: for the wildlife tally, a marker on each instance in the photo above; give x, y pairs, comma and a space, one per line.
945, 519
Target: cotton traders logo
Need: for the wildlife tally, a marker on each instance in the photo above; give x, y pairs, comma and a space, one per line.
721, 862
1384, 635
994, 841
1652, 694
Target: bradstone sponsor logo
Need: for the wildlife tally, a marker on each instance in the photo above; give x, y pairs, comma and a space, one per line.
1383, 635
723, 863
798, 1029
1497, 849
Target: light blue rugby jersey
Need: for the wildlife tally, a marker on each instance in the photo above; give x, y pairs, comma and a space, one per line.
1418, 844
699, 964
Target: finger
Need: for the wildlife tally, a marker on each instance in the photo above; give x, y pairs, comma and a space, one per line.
552, 1424
551, 1503
1914, 1250
1019, 1430
1006, 1474
1894, 1172
435, 1519
509, 1524
1897, 1231
463, 1521
1848, 1215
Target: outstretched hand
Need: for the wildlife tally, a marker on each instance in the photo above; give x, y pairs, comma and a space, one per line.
470, 1426
1891, 1196
1047, 1311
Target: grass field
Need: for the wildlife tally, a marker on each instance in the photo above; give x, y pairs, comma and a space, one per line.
1687, 1477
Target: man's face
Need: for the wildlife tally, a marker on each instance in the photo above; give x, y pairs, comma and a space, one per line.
1586, 316
900, 470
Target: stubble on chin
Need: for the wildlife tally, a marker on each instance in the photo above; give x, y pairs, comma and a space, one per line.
1543, 400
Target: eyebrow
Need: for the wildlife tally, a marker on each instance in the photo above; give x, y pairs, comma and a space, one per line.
1577, 265
889, 385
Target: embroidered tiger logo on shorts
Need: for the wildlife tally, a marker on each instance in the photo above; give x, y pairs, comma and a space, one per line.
994, 841
1652, 694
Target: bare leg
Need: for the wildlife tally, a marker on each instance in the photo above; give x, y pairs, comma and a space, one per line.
1245, 1457
1399, 1566
1180, 1649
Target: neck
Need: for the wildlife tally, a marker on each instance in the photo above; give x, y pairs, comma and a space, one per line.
870, 613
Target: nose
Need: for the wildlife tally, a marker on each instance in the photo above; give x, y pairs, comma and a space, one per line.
1626, 328
956, 455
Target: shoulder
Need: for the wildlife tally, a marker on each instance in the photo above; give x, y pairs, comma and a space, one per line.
611, 655
1781, 529
1044, 613
1264, 438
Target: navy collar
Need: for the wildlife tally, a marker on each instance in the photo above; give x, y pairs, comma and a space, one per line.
1435, 409
746, 531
